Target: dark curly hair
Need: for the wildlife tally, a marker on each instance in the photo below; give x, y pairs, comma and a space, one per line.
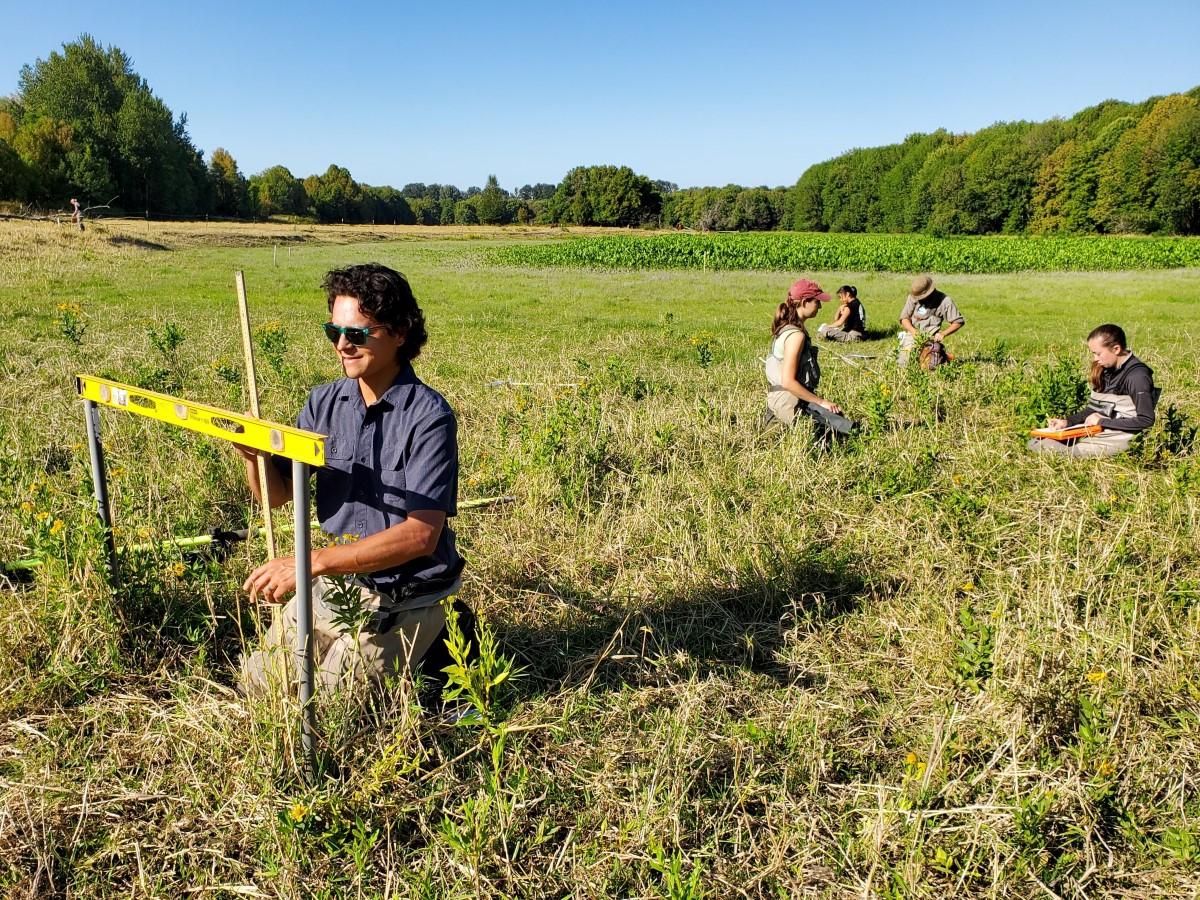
384, 295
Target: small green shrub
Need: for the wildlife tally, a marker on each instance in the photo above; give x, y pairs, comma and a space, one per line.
1055, 390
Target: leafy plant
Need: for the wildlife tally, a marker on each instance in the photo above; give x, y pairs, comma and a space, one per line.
1055, 390
478, 681
973, 651
167, 340
71, 322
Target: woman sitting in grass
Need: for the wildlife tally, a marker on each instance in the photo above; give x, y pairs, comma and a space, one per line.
850, 324
1122, 402
792, 368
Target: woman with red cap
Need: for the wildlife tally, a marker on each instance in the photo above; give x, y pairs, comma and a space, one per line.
792, 368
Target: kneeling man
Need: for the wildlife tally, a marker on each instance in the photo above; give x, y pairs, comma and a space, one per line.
389, 482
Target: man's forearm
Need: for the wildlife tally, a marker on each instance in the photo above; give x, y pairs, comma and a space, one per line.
279, 489
414, 537
951, 328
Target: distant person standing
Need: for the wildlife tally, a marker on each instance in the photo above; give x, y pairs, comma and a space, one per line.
1122, 400
926, 311
850, 323
76, 214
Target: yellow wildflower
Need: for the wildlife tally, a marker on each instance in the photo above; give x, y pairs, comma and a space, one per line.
56, 526
1096, 677
42, 516
26, 507
911, 759
144, 533
967, 586
1105, 768
298, 811
178, 569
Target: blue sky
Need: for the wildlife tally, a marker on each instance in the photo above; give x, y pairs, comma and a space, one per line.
696, 93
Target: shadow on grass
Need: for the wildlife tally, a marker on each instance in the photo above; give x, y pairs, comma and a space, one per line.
139, 243
706, 631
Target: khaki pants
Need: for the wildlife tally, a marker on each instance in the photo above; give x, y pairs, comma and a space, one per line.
834, 333
341, 659
1109, 442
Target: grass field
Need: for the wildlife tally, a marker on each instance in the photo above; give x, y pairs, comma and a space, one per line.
924, 664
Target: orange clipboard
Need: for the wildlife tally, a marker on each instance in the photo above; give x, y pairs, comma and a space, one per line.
1066, 434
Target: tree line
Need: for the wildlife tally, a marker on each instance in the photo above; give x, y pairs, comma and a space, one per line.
83, 123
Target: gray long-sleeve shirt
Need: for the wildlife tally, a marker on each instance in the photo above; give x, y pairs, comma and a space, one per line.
1133, 378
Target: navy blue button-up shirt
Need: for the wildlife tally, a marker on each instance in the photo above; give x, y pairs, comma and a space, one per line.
382, 461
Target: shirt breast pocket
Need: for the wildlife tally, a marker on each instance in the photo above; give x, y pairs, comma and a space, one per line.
393, 486
334, 481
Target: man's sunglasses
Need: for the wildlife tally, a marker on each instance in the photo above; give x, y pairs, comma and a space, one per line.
356, 336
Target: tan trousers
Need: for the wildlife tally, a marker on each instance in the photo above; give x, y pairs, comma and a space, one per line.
1109, 442
834, 333
341, 659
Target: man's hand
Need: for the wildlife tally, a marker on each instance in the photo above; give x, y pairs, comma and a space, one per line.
272, 581
1056, 424
832, 407
1093, 419
250, 454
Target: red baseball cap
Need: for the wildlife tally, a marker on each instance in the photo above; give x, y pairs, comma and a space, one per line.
807, 290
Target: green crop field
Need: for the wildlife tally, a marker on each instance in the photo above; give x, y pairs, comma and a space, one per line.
924, 663
860, 252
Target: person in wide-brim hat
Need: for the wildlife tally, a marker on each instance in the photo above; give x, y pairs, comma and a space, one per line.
926, 311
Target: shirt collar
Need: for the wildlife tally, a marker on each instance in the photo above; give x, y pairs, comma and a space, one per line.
406, 377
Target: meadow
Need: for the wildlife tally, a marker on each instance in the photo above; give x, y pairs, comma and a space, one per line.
921, 664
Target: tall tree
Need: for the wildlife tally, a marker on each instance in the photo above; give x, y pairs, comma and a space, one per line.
491, 204
277, 192
229, 190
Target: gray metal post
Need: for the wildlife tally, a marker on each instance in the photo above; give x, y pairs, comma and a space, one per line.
304, 615
91, 414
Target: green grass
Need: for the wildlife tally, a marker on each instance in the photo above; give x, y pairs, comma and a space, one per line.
924, 665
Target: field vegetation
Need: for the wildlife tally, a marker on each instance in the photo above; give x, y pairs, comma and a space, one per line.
920, 664
860, 252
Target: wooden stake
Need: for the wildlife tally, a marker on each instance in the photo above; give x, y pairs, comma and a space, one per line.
252, 389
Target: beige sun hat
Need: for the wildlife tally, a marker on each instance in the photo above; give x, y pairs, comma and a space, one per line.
922, 287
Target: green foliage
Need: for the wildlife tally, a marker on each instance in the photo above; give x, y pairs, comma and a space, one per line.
229, 190
166, 340
1116, 167
605, 195
335, 196
704, 343
1054, 390
857, 253
480, 682
675, 884
91, 126
272, 343
275, 191
349, 604
71, 322
1174, 435
973, 651
491, 204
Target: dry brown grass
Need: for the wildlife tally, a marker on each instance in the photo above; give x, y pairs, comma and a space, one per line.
924, 666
